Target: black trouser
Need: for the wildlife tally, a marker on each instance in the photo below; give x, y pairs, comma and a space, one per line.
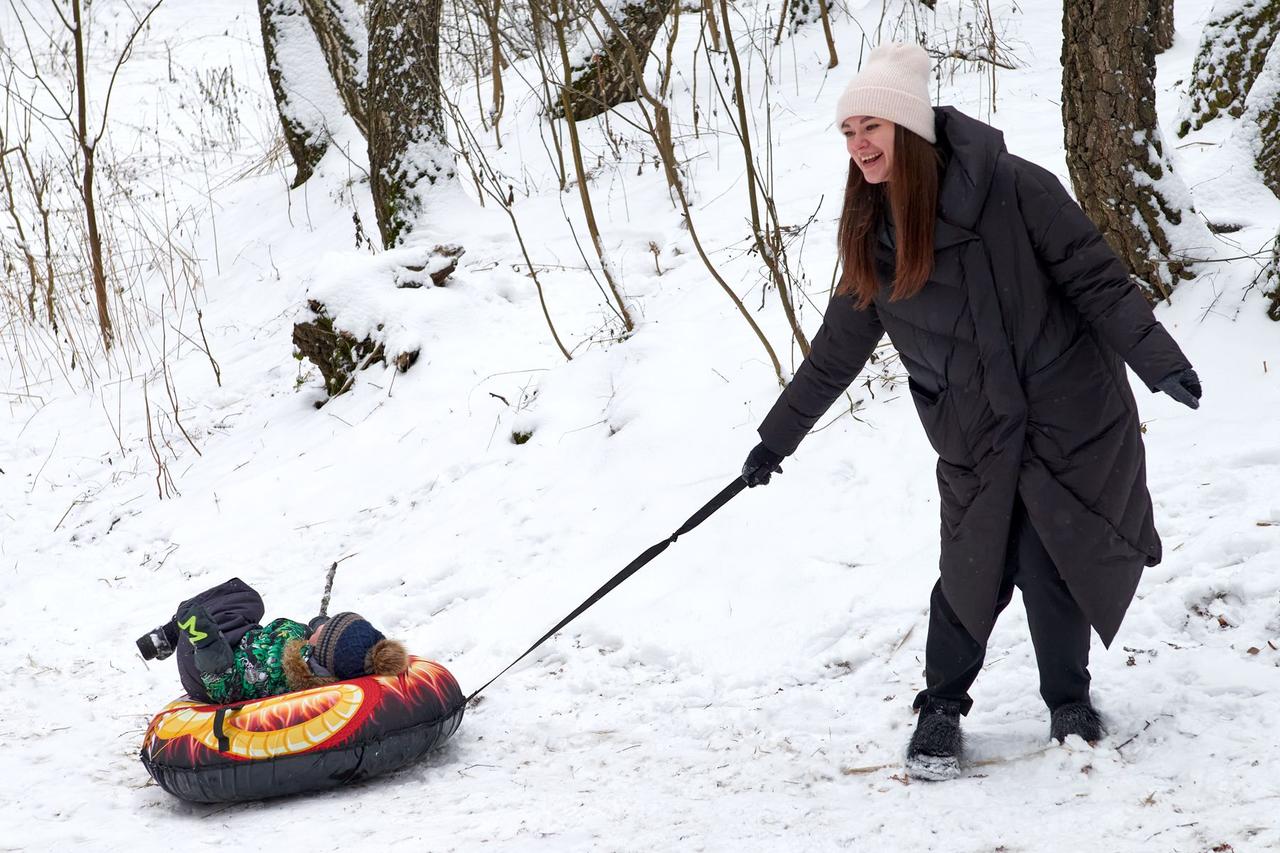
236, 607
1059, 630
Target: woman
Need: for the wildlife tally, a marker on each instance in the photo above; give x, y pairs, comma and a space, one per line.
1014, 321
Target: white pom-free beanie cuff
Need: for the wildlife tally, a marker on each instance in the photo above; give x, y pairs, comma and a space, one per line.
892, 104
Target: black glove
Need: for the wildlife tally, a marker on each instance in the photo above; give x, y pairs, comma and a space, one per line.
198, 626
762, 463
1183, 386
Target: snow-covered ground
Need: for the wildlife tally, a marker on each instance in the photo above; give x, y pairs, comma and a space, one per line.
751, 689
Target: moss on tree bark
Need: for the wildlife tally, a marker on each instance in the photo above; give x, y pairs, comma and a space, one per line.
408, 151
1233, 47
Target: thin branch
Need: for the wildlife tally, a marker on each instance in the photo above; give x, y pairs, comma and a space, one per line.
124, 55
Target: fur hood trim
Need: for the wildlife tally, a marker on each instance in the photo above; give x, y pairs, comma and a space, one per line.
297, 672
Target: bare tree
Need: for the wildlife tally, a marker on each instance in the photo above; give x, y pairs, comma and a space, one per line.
303, 126
408, 152
567, 103
491, 12
87, 146
1115, 152
1272, 274
766, 229
657, 119
1233, 47
7, 182
709, 20
603, 79
86, 129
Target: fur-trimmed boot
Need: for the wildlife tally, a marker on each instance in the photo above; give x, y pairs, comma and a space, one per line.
934, 751
1076, 718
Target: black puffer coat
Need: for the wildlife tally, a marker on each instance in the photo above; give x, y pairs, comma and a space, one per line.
1015, 350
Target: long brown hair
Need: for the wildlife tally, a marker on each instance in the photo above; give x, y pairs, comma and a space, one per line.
911, 196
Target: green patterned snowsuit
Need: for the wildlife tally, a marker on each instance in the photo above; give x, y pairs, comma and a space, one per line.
258, 671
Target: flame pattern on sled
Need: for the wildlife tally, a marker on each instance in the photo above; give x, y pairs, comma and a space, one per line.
303, 741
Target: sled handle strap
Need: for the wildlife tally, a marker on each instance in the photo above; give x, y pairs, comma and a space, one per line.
220, 717
708, 509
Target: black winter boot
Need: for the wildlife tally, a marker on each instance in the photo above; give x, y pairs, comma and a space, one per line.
934, 752
1076, 718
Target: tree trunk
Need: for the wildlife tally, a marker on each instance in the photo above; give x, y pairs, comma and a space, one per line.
833, 59
1233, 46
492, 12
1162, 24
302, 122
86, 186
339, 26
407, 143
1115, 153
603, 79
709, 16
1260, 122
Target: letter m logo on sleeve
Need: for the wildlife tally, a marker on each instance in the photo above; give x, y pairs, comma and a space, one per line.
193, 633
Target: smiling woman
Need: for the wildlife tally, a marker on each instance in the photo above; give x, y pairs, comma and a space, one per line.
1014, 320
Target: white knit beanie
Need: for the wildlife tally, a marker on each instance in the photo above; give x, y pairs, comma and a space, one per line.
893, 85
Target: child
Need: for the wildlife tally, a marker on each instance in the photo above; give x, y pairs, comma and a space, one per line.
225, 656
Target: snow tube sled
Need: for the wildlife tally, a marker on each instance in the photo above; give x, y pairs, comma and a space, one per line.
305, 741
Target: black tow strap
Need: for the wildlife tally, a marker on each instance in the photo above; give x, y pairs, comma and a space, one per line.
726, 494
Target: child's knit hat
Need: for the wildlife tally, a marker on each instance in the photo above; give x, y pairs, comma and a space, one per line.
350, 647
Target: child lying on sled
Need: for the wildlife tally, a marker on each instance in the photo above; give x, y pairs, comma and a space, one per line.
225, 655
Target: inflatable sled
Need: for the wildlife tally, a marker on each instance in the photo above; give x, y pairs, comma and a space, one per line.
304, 741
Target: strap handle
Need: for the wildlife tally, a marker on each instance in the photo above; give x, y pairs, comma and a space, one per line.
708, 509
219, 718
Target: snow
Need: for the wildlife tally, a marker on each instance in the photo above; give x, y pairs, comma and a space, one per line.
751, 688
